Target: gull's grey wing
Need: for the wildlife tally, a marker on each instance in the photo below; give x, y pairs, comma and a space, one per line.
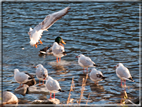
86, 61
52, 85
123, 72
40, 72
52, 18
57, 49
35, 34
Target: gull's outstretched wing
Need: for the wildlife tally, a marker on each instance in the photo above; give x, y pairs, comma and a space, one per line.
52, 18
86, 61
35, 34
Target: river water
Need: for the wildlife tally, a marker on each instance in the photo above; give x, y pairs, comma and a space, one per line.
108, 33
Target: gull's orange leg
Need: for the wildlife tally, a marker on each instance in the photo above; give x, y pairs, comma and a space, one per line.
39, 83
124, 85
22, 85
87, 70
50, 95
57, 59
19, 86
40, 42
35, 45
54, 95
121, 82
42, 82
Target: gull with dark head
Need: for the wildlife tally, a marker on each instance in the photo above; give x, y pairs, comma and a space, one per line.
35, 34
85, 62
123, 73
96, 75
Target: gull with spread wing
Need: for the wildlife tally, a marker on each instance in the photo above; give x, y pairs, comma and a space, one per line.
35, 34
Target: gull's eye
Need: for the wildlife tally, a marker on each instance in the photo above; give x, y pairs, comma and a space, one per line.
117, 65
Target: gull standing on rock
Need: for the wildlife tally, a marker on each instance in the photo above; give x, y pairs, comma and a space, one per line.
85, 62
96, 75
53, 86
58, 48
35, 34
123, 73
21, 77
41, 73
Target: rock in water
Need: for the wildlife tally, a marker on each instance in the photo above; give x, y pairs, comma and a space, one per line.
49, 101
38, 89
22, 90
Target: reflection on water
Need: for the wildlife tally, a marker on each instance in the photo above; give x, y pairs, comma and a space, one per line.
108, 33
96, 88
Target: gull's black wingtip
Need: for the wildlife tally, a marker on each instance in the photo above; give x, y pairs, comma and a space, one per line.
131, 79
61, 90
95, 64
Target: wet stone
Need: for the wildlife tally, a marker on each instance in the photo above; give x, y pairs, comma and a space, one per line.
22, 90
32, 89
49, 101
38, 89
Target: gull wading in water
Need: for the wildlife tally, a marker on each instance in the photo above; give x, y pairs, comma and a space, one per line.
58, 48
123, 73
48, 49
21, 77
35, 34
9, 98
85, 62
52, 86
41, 73
96, 75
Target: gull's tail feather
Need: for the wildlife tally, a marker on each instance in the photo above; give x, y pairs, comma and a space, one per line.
95, 65
61, 90
64, 53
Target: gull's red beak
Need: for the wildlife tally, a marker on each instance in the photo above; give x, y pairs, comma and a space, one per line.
76, 56
114, 66
35, 67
